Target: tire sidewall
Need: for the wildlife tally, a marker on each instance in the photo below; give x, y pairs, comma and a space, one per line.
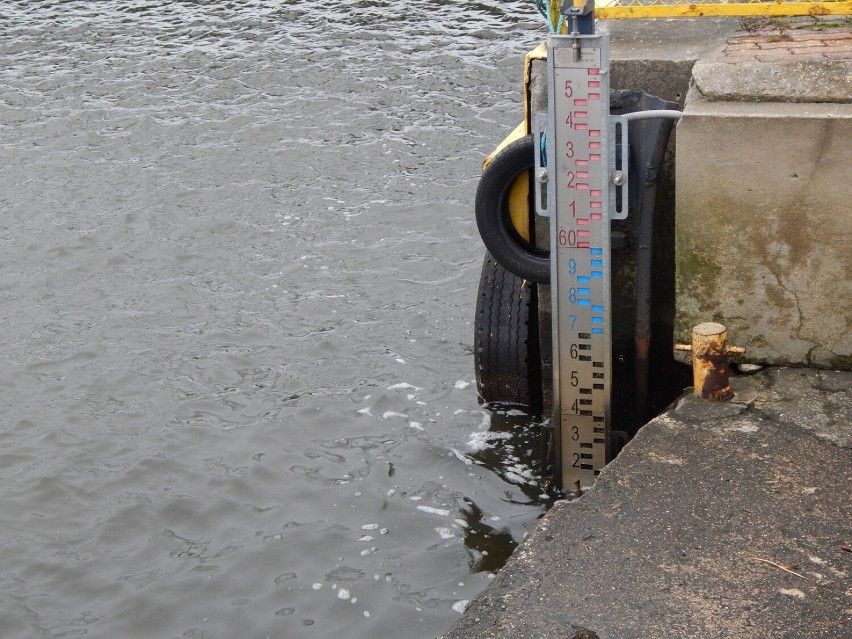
495, 226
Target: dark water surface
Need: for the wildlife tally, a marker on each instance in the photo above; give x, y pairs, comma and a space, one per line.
238, 265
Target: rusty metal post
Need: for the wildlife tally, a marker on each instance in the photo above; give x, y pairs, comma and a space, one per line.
710, 361
710, 351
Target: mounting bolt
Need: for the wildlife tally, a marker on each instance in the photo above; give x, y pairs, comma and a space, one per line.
710, 361
618, 178
542, 176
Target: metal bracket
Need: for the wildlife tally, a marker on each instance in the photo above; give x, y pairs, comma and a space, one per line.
620, 175
618, 183
543, 196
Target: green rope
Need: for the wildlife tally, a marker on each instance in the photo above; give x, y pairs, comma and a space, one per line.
550, 9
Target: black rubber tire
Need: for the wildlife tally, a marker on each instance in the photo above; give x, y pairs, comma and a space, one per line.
492, 213
506, 348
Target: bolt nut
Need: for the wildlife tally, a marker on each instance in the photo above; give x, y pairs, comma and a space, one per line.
542, 175
618, 178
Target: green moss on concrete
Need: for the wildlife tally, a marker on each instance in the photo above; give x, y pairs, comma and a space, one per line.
697, 277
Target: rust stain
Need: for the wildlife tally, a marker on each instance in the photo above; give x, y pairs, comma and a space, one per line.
716, 384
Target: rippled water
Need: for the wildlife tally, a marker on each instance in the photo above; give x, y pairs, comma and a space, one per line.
237, 273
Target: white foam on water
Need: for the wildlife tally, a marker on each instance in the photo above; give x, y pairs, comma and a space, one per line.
461, 384
485, 422
343, 593
514, 477
402, 385
445, 533
443, 512
390, 413
316, 586
369, 527
365, 411
482, 440
416, 425
461, 457
520, 474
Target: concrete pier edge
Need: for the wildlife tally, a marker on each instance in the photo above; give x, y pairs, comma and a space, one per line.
719, 519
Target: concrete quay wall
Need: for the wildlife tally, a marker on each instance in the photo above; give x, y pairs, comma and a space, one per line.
764, 221
754, 216
764, 196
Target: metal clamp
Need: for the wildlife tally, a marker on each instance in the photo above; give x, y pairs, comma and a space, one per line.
543, 197
620, 175
619, 178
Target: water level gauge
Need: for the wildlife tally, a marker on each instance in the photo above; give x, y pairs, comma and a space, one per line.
581, 162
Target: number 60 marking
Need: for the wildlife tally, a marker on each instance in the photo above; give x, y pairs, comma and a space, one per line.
567, 238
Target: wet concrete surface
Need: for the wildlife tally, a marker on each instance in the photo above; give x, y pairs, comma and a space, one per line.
718, 520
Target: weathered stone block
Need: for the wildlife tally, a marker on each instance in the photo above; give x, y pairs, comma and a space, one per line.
764, 221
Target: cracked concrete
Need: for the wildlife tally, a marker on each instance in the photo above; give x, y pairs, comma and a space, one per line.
718, 520
763, 228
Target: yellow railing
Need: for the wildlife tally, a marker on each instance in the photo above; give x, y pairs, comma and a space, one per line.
680, 8
685, 8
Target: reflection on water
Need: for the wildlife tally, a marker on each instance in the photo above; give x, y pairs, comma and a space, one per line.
237, 273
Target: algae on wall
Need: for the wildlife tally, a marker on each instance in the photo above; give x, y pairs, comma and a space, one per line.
695, 286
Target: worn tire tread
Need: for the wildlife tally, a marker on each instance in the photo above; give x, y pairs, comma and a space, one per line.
504, 353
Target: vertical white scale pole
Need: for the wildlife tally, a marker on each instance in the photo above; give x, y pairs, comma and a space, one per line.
580, 161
